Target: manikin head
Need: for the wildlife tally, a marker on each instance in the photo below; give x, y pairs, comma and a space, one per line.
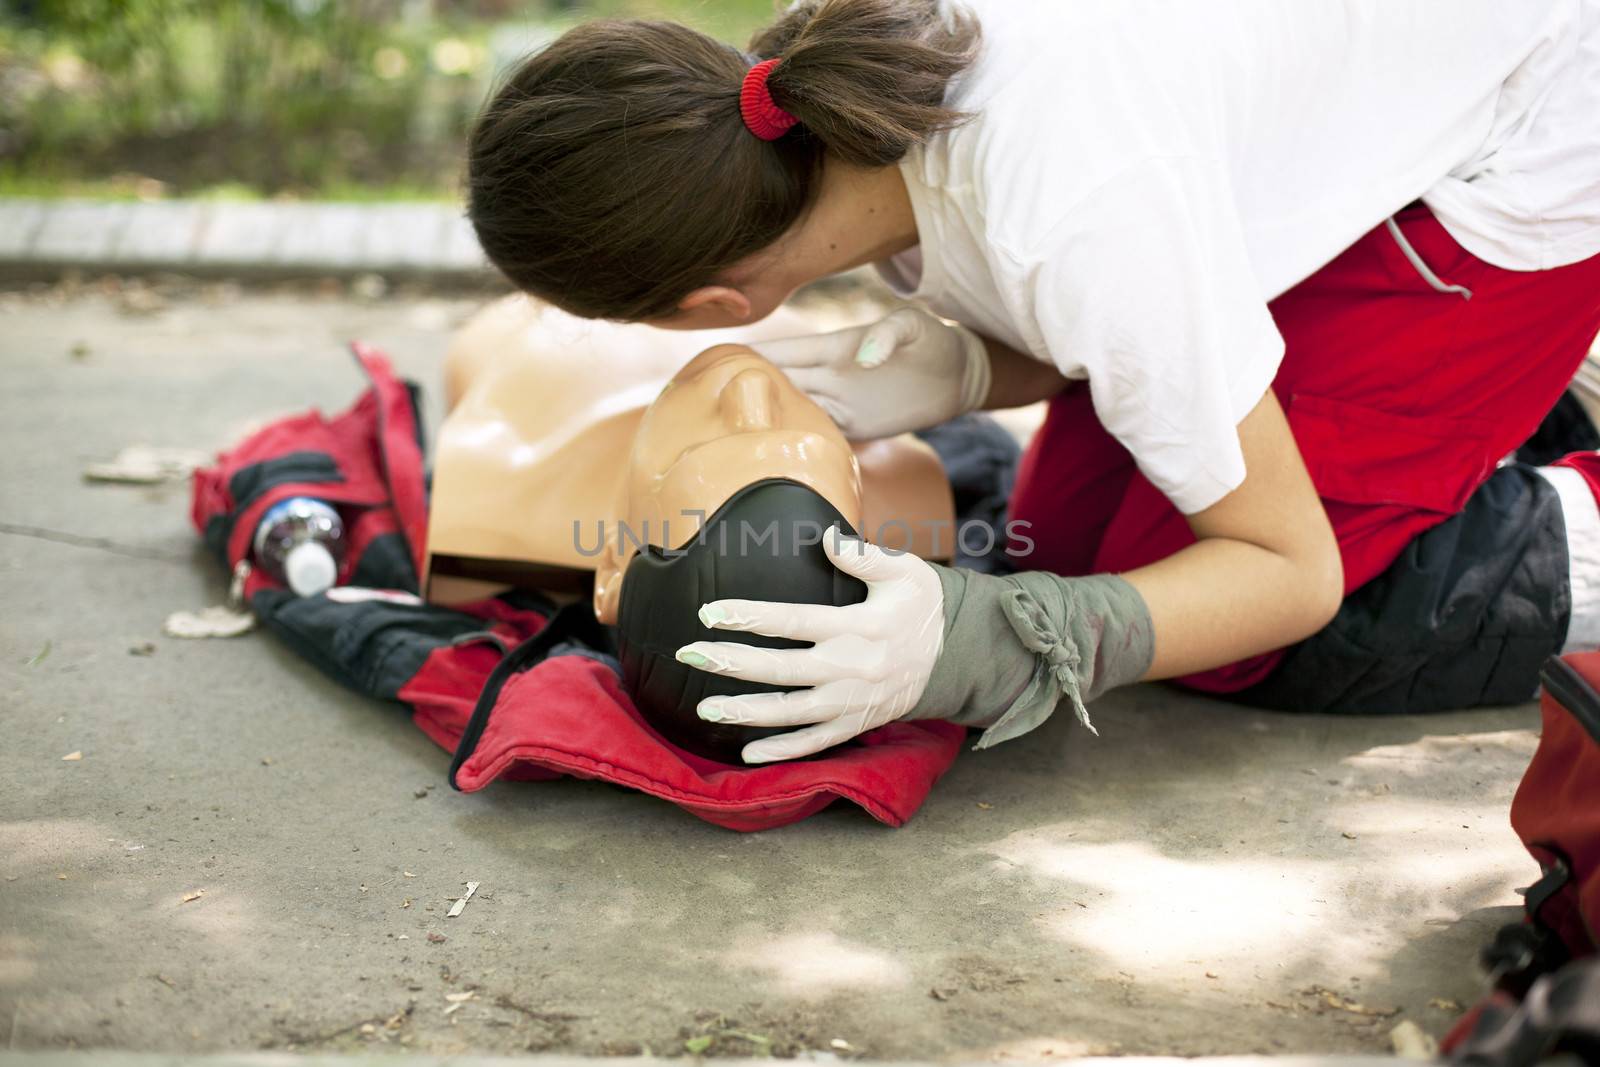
613, 175
727, 420
734, 477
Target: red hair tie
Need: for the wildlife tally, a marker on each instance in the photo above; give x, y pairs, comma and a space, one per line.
761, 115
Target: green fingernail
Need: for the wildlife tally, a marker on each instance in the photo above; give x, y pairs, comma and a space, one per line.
692, 658
711, 614
867, 354
710, 712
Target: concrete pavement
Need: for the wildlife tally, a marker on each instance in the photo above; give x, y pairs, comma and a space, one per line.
1201, 879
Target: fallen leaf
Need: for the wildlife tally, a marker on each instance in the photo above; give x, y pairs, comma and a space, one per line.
1348, 836
455, 909
941, 994
1443, 1004
437, 939
985, 806
196, 895
1211, 974
408, 874
215, 621
72, 757
697, 1045
1334, 1000
368, 1028
143, 648
39, 656
266, 761
144, 465
406, 903
1411, 1043
840, 1043
457, 998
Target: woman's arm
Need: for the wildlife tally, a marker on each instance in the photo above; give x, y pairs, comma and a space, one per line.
1265, 572
1017, 379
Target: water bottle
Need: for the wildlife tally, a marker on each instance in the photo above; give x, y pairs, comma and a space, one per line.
299, 542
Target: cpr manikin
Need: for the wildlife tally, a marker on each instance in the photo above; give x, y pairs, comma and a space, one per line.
572, 447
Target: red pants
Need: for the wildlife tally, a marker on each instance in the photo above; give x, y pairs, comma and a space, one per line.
1402, 399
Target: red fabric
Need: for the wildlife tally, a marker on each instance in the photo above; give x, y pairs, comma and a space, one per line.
1556, 813
1557, 810
761, 115
1401, 398
567, 715
399, 450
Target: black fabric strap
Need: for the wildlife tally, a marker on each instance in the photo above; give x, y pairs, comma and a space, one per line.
573, 624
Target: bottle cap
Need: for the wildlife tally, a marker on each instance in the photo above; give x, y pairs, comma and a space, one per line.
310, 568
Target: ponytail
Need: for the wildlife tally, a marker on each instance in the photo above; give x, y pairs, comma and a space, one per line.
613, 173
867, 78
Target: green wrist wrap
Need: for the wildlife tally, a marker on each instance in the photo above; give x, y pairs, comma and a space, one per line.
1016, 645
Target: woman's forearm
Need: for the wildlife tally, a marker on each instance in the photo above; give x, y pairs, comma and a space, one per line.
1265, 570
1017, 379
1220, 601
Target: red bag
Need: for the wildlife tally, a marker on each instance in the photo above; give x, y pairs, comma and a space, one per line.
1556, 811
366, 462
1545, 971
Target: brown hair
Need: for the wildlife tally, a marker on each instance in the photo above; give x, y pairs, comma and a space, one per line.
612, 174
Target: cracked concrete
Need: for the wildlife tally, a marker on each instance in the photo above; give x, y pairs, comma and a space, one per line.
1201, 879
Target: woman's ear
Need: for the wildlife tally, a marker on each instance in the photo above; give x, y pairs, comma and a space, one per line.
721, 300
607, 585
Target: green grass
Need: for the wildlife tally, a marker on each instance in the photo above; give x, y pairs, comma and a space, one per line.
727, 20
123, 187
224, 100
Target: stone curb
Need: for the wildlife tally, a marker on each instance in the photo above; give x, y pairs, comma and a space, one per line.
250, 240
411, 1059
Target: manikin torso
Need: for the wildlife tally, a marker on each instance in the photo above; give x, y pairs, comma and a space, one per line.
561, 430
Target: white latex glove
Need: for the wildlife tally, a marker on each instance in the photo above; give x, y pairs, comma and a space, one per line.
907, 371
868, 666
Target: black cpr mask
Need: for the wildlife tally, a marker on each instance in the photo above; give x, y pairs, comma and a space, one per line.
765, 543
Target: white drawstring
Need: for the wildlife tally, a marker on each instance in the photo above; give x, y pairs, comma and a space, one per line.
1422, 268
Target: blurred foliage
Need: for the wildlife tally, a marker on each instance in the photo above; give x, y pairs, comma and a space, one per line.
344, 98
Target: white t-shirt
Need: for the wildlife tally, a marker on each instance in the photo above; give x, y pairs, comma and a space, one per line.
1141, 177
